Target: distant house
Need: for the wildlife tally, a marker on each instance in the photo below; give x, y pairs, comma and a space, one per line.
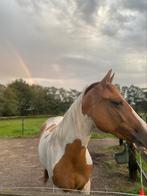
141, 105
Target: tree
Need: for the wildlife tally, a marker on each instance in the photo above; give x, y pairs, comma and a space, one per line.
133, 94
20, 98
39, 100
55, 99
10, 103
135, 97
2, 89
23, 93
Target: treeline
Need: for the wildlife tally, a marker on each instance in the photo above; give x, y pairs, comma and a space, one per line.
135, 96
19, 98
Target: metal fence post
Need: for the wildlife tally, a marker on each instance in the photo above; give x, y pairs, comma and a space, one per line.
22, 126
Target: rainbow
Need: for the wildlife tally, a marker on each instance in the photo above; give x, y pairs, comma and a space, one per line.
25, 67
22, 63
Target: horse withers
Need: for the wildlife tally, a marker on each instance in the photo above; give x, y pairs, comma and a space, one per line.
63, 143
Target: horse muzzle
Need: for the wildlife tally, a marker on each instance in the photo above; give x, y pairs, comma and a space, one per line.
136, 134
140, 138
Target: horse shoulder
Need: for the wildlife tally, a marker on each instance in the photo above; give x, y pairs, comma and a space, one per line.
50, 124
74, 168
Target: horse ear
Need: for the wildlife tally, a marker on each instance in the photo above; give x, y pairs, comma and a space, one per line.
107, 78
111, 79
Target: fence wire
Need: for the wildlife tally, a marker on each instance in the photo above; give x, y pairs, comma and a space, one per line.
54, 189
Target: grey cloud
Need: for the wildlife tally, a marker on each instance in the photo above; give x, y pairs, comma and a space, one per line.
64, 40
140, 6
87, 10
127, 27
71, 66
30, 5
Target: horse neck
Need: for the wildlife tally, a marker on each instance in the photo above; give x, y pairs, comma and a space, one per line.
75, 124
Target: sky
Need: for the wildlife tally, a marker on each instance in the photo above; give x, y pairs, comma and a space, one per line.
73, 43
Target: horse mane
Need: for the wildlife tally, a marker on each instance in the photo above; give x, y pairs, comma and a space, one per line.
90, 87
72, 122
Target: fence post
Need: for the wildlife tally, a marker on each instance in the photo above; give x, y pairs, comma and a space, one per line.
133, 167
22, 126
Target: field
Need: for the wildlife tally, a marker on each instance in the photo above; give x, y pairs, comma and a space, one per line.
14, 128
28, 127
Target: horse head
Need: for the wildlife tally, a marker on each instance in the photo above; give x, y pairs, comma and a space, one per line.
111, 113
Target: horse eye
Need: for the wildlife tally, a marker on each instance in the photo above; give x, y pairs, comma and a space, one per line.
116, 103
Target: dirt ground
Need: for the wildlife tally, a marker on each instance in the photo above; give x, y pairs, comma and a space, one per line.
21, 172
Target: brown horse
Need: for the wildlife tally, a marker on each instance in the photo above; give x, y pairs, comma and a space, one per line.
63, 147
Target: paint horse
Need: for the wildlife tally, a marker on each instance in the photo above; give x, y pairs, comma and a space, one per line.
63, 144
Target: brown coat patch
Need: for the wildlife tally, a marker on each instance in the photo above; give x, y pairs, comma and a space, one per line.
51, 128
72, 171
43, 128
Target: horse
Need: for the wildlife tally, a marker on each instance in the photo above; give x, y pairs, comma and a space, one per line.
63, 150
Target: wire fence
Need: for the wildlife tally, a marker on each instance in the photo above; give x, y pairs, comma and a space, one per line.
21, 125
54, 190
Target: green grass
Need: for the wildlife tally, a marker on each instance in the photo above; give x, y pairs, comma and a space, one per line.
136, 188
96, 135
13, 127
113, 167
144, 164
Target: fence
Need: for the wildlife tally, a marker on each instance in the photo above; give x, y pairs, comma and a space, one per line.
21, 125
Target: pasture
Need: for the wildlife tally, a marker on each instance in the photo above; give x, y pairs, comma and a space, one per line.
32, 125
13, 127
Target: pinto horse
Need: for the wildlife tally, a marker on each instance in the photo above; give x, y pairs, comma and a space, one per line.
63, 143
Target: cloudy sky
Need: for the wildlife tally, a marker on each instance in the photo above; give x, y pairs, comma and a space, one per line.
71, 43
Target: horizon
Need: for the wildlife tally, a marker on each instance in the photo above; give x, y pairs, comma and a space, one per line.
71, 44
67, 89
